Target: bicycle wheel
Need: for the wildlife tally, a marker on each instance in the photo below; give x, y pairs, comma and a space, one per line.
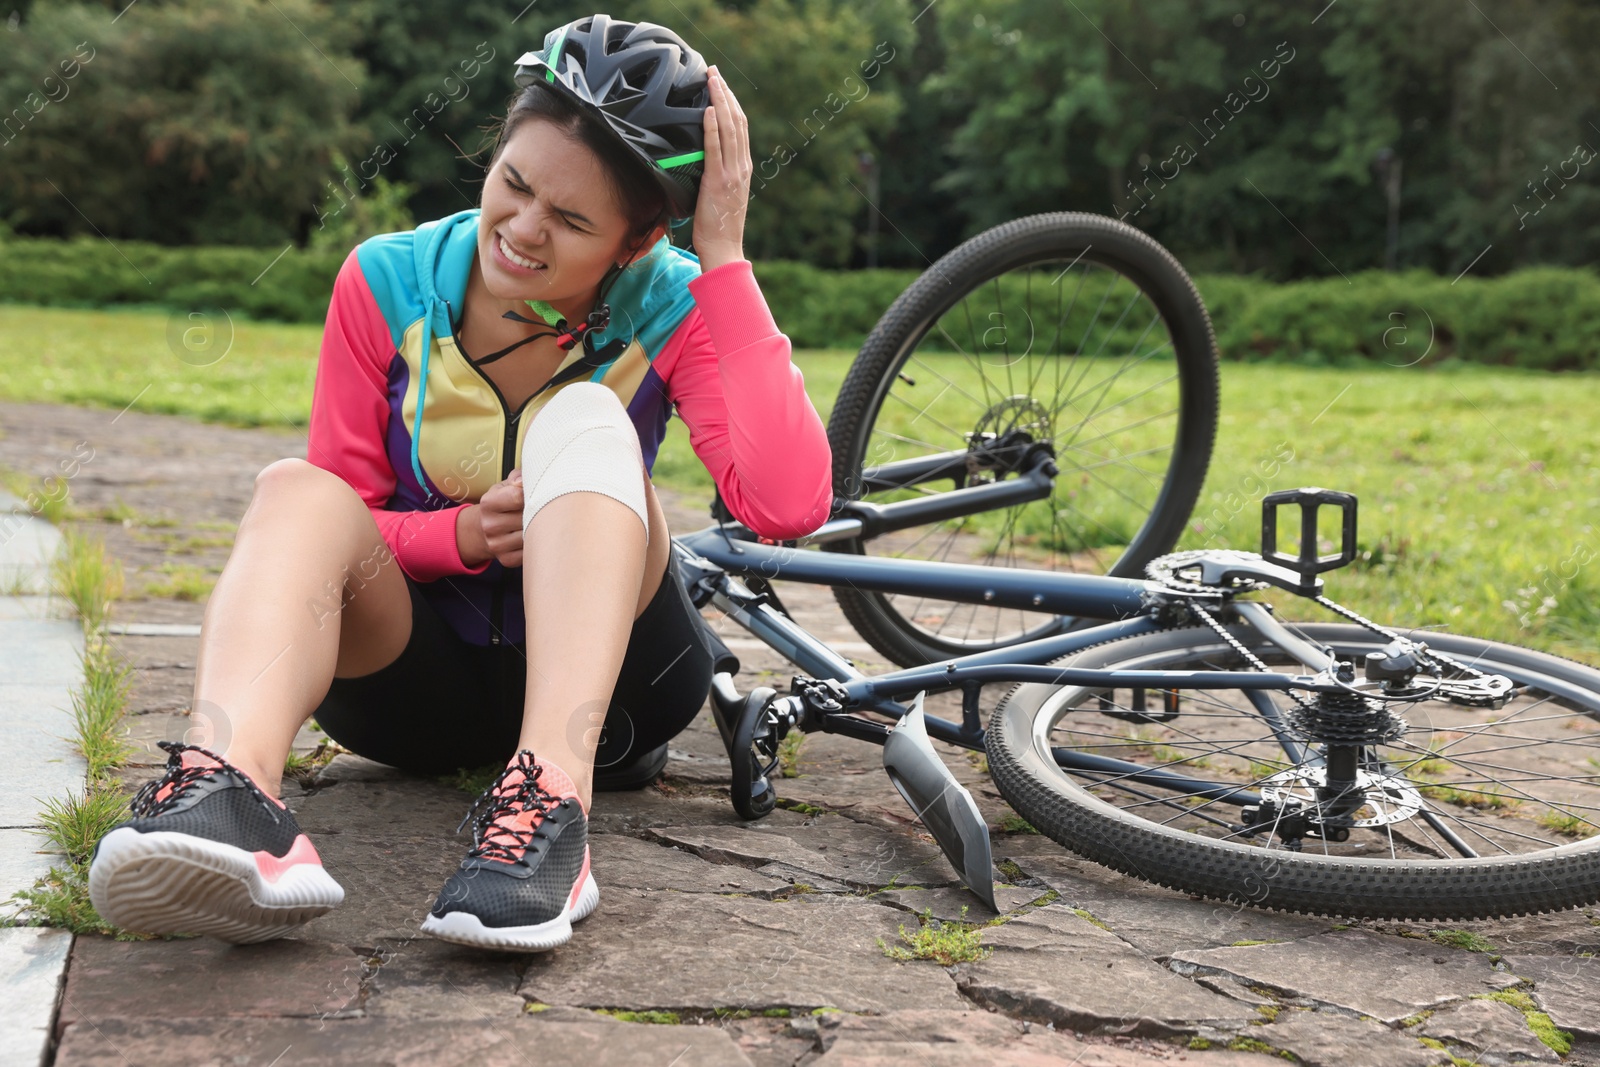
1517, 786
1069, 329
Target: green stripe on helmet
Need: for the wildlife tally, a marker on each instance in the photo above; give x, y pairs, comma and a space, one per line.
678, 161
554, 57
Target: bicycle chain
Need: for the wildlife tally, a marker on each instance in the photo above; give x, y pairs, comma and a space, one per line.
1249, 657
1383, 631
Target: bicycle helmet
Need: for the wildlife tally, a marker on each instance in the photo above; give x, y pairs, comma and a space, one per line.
644, 84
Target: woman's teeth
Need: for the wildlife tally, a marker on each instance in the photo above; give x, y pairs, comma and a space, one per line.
521, 261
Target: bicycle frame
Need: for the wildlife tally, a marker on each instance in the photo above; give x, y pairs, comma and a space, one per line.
716, 556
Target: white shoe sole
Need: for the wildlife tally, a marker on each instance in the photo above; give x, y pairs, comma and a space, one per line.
464, 928
163, 882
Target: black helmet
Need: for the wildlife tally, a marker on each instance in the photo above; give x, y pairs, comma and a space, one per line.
646, 85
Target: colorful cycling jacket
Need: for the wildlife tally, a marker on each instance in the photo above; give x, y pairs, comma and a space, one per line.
704, 345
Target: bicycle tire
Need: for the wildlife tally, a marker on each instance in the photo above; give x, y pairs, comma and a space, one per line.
1060, 806
1052, 237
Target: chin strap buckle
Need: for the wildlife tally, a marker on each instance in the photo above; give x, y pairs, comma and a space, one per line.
598, 320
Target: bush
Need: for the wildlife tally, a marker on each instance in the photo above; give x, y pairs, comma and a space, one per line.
1540, 318
86, 272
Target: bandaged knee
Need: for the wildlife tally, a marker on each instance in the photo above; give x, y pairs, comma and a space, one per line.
583, 441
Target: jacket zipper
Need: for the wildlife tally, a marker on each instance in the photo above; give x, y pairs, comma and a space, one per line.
508, 447
588, 362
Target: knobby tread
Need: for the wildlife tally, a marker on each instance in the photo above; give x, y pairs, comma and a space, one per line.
1553, 880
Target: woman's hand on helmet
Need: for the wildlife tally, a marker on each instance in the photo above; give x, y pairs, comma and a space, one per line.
499, 519
725, 181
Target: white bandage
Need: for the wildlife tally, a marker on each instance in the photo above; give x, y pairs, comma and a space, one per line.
583, 441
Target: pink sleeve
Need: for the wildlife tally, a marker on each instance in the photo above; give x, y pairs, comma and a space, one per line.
745, 405
349, 421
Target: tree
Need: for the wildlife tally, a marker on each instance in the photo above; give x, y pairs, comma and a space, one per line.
209, 121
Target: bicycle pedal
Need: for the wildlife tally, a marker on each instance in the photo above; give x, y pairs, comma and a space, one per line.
1138, 710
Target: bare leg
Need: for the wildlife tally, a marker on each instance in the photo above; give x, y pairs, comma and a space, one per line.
309, 592
586, 576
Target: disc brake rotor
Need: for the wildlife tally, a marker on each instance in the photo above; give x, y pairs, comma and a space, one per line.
1384, 798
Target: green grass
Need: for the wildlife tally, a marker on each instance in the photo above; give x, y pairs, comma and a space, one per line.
1476, 483
109, 358
660, 1018
87, 578
304, 768
1568, 824
180, 581
1476, 489
73, 825
789, 754
1012, 823
473, 781
46, 497
1463, 939
1560, 1041
99, 707
946, 942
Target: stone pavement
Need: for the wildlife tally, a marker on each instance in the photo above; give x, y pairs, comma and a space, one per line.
749, 943
40, 665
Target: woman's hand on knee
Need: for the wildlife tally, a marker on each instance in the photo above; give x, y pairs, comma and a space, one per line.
498, 515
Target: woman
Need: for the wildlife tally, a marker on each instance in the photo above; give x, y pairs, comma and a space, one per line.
471, 563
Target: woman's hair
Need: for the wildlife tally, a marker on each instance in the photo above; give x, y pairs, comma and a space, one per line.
644, 204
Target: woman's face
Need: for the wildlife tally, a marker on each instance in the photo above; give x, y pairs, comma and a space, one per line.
550, 225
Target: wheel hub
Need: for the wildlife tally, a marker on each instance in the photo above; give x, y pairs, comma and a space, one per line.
1373, 800
1000, 438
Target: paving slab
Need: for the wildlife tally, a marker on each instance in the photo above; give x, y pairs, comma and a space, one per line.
1495, 1033
946, 904
678, 951
23, 860
831, 848
1161, 923
1052, 965
1396, 977
421, 977
515, 1041
1326, 1039
41, 664
636, 811
28, 544
32, 960
204, 978
390, 881
1567, 988
630, 863
1564, 933
977, 1038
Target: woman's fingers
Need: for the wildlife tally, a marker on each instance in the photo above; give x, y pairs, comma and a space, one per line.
713, 164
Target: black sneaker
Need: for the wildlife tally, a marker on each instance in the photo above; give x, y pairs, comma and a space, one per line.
526, 879
208, 852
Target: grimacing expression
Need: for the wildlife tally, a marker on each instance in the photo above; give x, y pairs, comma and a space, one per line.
547, 197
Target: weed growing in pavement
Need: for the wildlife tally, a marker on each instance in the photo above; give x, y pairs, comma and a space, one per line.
99, 707
181, 581
946, 942
87, 578
90, 580
303, 769
1559, 1041
667, 1018
471, 781
1462, 939
789, 754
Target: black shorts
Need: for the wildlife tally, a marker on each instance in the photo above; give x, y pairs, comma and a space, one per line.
445, 704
